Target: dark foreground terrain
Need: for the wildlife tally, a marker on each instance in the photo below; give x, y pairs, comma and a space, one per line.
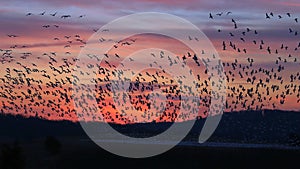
242, 140
75, 155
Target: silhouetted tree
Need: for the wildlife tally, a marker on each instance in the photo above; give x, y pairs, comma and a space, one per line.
52, 145
12, 157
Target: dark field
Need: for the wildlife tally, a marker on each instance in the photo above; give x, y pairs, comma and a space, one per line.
79, 155
186, 157
242, 140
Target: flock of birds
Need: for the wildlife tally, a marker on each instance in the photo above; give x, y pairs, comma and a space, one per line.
43, 85
54, 14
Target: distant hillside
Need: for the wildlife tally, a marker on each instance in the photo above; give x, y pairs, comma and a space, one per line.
272, 126
26, 128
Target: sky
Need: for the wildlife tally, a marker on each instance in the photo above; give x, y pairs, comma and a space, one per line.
44, 37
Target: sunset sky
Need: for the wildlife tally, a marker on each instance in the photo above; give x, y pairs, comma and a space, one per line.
42, 36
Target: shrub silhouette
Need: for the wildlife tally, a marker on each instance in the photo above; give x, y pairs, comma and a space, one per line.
294, 139
52, 145
12, 157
